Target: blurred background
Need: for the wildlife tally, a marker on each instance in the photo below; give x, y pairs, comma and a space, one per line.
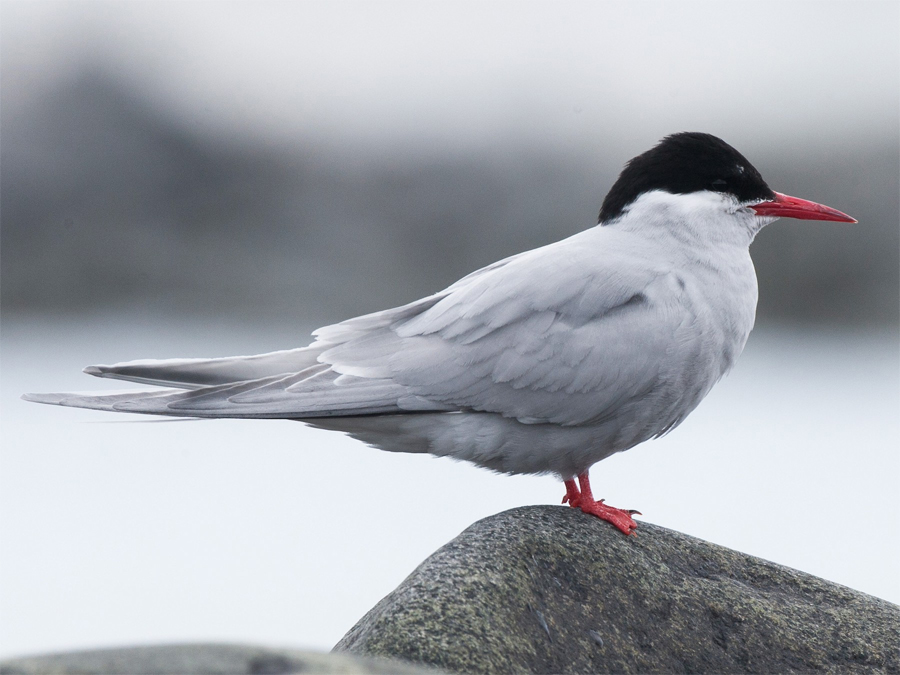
211, 178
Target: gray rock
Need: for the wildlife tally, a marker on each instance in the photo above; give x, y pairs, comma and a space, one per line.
552, 590
203, 659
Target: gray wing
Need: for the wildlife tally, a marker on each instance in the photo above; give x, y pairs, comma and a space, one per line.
565, 334
561, 334
284, 384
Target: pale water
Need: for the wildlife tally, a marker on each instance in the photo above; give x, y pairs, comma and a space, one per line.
119, 531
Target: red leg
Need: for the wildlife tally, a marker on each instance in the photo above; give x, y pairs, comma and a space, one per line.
584, 500
572, 493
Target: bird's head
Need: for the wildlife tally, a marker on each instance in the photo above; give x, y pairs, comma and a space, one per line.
716, 175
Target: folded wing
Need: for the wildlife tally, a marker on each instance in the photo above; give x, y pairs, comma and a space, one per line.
507, 339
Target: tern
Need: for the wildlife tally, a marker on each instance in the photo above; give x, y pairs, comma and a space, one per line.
544, 362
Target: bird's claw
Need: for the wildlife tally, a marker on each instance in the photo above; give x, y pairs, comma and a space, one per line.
620, 518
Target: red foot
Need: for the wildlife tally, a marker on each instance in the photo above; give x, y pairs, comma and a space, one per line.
584, 500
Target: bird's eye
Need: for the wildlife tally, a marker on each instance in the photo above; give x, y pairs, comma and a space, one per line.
718, 185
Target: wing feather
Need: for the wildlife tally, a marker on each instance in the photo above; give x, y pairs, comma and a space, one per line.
563, 318
569, 317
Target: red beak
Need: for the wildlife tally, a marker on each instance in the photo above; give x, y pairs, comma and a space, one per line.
785, 206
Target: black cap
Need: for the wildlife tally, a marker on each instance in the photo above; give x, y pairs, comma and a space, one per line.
684, 163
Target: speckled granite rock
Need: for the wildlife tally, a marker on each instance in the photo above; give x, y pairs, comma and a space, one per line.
551, 590
204, 659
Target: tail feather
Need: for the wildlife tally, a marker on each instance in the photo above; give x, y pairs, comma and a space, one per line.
314, 392
105, 401
197, 373
291, 384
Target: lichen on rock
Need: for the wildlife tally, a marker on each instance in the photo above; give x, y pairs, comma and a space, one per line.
551, 590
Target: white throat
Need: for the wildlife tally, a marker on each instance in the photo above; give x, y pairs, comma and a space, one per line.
702, 218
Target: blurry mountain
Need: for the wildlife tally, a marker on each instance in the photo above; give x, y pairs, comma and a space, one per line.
109, 201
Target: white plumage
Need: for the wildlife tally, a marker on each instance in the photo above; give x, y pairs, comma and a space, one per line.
547, 361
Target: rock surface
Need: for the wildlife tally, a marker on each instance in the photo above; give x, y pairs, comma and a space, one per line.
204, 659
551, 590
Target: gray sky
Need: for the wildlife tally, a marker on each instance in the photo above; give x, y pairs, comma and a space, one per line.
463, 72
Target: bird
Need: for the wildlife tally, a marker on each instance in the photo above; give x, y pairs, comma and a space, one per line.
545, 362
